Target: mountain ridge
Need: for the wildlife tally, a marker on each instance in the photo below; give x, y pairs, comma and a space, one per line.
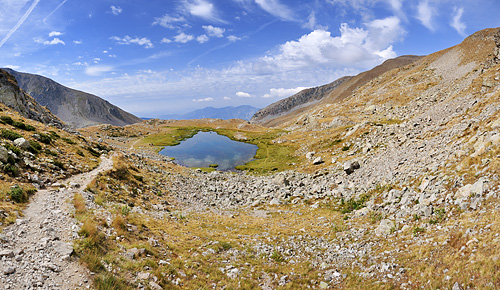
244, 112
76, 108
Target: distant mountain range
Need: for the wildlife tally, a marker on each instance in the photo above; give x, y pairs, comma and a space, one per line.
244, 112
77, 109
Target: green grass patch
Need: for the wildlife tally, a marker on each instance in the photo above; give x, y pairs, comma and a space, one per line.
175, 137
11, 135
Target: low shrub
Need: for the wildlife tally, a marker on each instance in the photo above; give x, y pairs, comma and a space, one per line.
45, 138
11, 170
23, 126
20, 195
6, 120
10, 135
35, 147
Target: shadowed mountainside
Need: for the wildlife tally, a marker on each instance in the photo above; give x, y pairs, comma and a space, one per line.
77, 109
14, 97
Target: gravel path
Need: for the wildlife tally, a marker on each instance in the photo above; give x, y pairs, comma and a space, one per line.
35, 252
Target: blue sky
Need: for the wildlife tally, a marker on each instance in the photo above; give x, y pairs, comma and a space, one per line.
162, 57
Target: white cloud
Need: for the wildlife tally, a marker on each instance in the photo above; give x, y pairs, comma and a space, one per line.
127, 40
183, 38
166, 40
425, 13
55, 33
243, 95
274, 7
203, 100
116, 10
168, 21
227, 98
203, 9
98, 70
356, 47
54, 41
77, 41
202, 38
457, 22
233, 38
283, 93
214, 31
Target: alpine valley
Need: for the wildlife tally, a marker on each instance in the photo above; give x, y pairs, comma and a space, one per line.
384, 180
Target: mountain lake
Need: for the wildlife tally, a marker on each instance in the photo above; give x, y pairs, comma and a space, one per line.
207, 148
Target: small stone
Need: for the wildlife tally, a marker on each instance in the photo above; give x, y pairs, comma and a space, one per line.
323, 285
7, 253
457, 286
318, 161
154, 286
9, 271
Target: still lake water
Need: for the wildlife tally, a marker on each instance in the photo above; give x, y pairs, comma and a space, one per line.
207, 148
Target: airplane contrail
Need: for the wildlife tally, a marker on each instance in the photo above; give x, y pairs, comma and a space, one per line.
50, 14
19, 23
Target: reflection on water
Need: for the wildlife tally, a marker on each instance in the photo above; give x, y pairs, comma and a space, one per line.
207, 148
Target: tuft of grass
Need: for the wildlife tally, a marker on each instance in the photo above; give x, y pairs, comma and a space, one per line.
353, 204
79, 204
20, 195
277, 257
106, 281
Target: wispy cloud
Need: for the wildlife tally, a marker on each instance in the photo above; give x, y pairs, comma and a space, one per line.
53, 11
98, 70
274, 7
425, 13
282, 93
116, 10
20, 22
127, 40
168, 21
457, 22
203, 100
233, 38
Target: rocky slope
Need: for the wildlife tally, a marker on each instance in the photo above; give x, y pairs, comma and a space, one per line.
289, 108
14, 97
77, 109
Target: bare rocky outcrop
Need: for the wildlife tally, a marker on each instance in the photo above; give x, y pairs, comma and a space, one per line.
14, 97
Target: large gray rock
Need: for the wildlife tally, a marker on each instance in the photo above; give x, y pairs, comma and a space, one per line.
384, 228
4, 154
22, 143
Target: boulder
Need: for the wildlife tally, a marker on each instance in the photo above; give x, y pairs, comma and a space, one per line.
349, 167
22, 143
